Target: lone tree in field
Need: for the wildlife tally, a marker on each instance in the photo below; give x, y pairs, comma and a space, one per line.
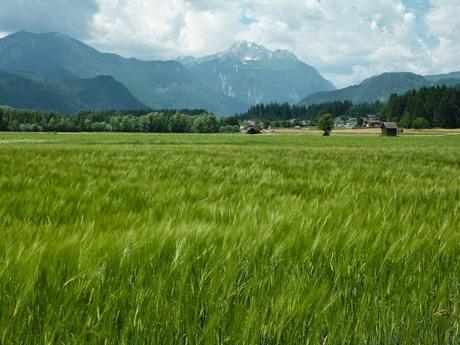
326, 124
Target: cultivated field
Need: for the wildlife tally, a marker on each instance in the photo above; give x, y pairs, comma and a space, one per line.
229, 239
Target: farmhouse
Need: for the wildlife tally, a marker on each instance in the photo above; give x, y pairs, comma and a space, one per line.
389, 129
339, 122
351, 123
371, 121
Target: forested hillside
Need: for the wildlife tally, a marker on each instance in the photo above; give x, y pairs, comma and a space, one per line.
381, 87
275, 111
437, 106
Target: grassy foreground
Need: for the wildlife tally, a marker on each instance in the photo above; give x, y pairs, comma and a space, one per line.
229, 239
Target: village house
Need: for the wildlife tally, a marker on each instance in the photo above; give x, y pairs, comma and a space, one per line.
351, 123
339, 122
371, 121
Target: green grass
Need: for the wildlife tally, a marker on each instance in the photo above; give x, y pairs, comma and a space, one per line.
229, 239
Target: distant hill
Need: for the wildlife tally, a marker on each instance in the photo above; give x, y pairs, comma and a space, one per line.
443, 77
254, 74
31, 91
380, 88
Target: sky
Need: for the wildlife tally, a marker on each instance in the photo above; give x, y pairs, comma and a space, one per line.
347, 41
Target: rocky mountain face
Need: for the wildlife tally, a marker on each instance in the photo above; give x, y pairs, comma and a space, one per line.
255, 74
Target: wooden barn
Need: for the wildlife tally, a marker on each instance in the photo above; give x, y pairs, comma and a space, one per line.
389, 129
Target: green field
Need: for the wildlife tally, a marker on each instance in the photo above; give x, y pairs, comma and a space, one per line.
229, 239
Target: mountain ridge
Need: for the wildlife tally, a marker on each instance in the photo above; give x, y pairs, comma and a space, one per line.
380, 88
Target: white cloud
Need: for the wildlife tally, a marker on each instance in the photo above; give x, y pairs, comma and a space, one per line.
159, 29
143, 28
208, 31
346, 40
443, 18
444, 25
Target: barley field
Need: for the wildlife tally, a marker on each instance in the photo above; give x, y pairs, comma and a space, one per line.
229, 239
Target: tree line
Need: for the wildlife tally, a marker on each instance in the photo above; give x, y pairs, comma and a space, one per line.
285, 111
166, 121
428, 107
437, 106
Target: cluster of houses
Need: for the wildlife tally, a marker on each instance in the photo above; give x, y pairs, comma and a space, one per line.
369, 121
341, 122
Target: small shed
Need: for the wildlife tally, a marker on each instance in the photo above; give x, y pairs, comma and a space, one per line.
252, 130
389, 129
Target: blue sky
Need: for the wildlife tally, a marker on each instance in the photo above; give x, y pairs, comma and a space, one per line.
419, 5
421, 8
347, 41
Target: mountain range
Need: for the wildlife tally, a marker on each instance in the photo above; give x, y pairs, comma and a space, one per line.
52, 71
224, 83
381, 87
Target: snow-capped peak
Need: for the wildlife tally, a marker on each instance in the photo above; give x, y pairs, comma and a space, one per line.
247, 51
